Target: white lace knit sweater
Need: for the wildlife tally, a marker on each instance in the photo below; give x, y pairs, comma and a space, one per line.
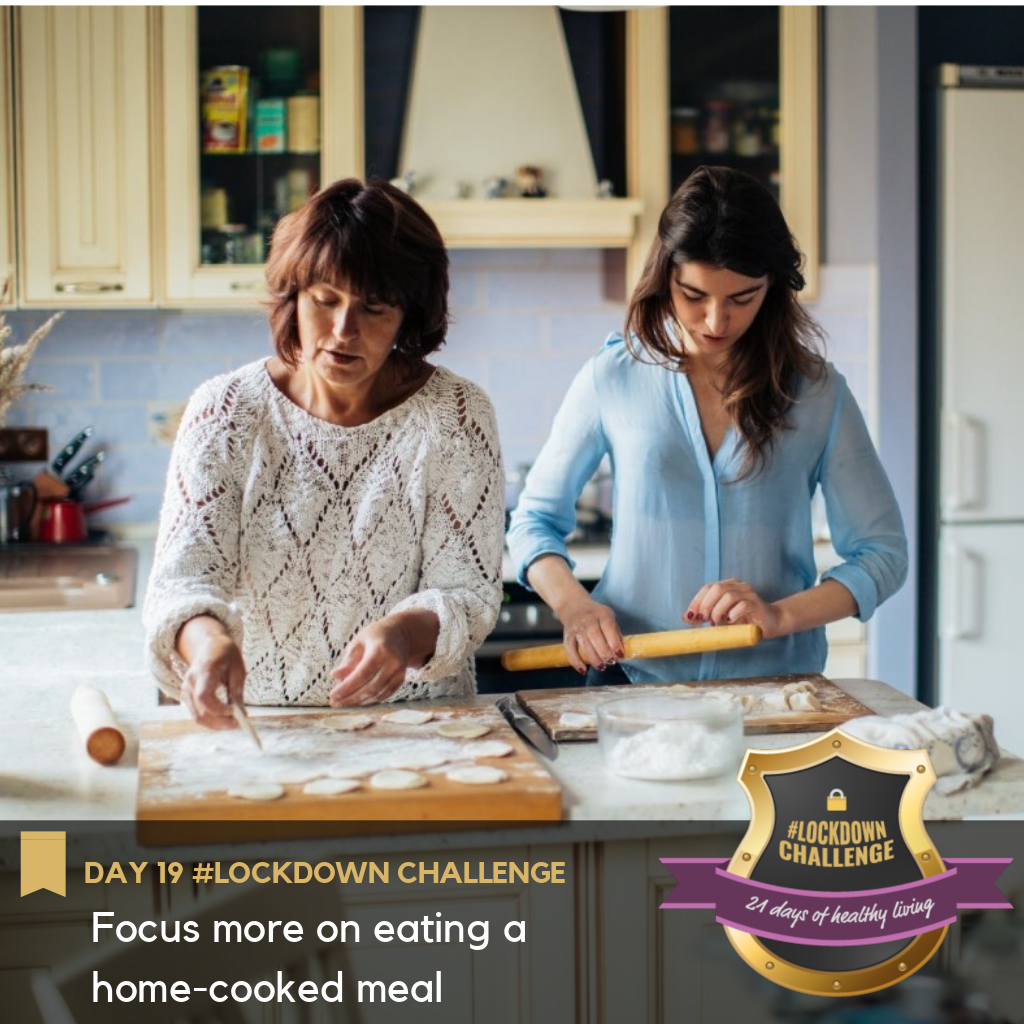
295, 532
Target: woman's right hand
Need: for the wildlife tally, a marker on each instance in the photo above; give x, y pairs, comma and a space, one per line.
215, 671
591, 634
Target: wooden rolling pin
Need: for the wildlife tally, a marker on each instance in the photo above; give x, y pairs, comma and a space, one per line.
642, 645
104, 741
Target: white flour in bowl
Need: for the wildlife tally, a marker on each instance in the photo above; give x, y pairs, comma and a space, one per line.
675, 750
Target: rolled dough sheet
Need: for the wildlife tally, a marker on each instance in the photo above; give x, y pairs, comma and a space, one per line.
397, 779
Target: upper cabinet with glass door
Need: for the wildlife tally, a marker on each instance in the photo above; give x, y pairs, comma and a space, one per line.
742, 91
259, 111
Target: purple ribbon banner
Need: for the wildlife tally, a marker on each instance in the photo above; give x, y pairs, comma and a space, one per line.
836, 918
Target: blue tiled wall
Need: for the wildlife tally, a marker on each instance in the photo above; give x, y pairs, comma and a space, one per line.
524, 322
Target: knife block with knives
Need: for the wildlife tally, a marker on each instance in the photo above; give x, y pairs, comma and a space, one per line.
52, 482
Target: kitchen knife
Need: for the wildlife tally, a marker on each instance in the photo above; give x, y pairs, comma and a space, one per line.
527, 726
642, 645
69, 451
83, 473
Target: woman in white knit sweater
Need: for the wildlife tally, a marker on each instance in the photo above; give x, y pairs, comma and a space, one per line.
332, 526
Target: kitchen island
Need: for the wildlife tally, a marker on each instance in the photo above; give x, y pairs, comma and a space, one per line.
589, 939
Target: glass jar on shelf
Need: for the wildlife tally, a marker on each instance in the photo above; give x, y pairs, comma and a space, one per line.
746, 138
717, 115
685, 131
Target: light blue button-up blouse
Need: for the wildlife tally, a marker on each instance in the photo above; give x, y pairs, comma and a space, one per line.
681, 519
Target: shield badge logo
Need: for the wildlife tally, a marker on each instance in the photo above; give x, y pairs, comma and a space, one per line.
835, 816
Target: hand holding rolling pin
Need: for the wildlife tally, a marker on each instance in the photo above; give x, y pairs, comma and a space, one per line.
734, 602
591, 633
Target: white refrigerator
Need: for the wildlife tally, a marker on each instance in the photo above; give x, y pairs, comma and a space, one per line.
981, 395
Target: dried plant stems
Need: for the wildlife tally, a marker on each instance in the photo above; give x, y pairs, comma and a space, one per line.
14, 360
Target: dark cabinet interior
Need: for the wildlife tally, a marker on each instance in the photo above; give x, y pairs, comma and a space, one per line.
724, 91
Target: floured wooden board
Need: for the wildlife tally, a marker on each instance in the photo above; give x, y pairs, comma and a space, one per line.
837, 707
185, 772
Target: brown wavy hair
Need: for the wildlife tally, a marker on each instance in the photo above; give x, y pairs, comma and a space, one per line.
728, 219
382, 243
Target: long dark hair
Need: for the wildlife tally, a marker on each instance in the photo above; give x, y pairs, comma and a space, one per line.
728, 219
383, 243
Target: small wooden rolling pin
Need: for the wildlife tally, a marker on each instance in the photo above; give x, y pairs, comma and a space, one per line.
104, 741
642, 645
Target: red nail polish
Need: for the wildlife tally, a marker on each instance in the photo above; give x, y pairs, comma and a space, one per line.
582, 671
620, 654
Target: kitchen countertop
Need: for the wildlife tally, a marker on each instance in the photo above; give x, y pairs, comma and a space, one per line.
46, 776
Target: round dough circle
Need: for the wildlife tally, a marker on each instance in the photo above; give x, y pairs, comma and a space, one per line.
488, 748
397, 778
478, 775
257, 791
347, 723
463, 730
407, 716
419, 762
330, 787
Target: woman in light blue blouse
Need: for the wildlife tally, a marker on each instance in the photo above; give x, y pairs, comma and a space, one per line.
720, 420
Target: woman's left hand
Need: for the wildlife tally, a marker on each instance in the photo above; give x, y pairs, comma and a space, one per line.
374, 664
733, 602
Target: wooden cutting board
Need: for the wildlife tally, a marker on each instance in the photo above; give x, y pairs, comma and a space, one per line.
185, 770
548, 706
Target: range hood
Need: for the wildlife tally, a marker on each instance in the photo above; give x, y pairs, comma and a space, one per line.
493, 89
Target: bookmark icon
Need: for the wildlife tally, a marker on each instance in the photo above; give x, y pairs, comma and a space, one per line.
43, 862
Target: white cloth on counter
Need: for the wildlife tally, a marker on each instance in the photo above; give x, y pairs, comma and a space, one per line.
962, 746
296, 532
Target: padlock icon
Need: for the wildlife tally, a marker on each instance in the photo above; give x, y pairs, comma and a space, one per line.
837, 802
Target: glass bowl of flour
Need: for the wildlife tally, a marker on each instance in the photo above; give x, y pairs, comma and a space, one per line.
671, 737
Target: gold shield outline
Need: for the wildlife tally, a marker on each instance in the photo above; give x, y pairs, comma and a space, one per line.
918, 767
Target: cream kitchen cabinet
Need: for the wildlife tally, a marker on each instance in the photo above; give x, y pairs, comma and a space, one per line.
82, 116
202, 264
6, 163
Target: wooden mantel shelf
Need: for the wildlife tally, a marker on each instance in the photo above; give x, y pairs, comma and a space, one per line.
535, 223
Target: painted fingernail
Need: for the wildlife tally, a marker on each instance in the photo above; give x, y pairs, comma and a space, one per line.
582, 671
689, 616
620, 654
